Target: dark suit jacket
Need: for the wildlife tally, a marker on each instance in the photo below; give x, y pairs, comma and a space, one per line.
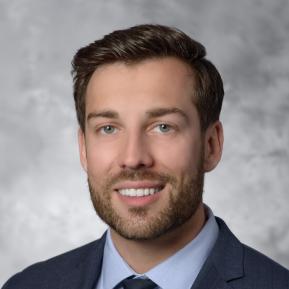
231, 265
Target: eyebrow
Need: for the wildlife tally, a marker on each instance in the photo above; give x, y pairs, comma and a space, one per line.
157, 112
106, 114
153, 113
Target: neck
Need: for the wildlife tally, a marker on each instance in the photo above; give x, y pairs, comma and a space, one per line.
141, 256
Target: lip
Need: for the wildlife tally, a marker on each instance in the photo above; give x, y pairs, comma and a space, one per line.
139, 201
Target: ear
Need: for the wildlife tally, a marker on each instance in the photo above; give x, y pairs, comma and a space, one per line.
214, 138
82, 149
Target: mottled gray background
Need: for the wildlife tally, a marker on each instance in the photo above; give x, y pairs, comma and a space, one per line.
44, 201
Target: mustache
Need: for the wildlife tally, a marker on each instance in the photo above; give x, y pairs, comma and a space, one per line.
139, 175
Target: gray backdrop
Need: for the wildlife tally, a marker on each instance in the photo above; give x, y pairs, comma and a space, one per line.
44, 201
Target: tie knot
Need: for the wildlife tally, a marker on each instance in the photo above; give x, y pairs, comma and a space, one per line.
138, 284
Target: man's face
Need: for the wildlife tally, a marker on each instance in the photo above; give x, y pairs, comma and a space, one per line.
143, 148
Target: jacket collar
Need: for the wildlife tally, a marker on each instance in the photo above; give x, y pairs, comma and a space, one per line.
85, 274
225, 263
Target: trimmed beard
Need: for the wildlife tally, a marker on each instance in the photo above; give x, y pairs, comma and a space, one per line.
185, 197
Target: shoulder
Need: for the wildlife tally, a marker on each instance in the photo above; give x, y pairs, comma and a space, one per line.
259, 267
52, 270
245, 267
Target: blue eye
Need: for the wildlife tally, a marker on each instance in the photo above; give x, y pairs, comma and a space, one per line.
163, 127
108, 129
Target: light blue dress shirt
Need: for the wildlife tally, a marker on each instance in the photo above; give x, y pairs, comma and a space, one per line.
178, 271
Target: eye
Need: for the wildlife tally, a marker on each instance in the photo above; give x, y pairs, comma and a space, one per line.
108, 129
163, 127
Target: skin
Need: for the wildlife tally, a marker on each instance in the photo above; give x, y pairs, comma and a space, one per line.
134, 141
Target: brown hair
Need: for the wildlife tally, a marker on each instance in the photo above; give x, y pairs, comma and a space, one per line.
144, 42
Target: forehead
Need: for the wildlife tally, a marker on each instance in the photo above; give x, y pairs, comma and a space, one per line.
161, 80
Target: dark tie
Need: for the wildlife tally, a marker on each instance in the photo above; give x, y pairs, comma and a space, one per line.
138, 284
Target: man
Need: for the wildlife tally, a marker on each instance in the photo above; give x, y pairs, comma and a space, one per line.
148, 106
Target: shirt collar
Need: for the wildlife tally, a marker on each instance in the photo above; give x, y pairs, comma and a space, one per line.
114, 267
189, 261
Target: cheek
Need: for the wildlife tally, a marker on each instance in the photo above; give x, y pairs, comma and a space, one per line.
100, 158
178, 156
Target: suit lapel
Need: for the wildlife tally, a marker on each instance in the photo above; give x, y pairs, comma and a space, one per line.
225, 263
211, 279
87, 272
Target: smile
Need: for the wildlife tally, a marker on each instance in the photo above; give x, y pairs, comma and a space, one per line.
139, 192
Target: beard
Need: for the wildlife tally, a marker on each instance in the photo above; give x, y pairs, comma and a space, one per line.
185, 196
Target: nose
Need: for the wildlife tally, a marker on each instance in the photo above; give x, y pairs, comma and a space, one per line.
135, 153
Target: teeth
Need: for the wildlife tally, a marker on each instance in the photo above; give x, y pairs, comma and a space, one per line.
138, 192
